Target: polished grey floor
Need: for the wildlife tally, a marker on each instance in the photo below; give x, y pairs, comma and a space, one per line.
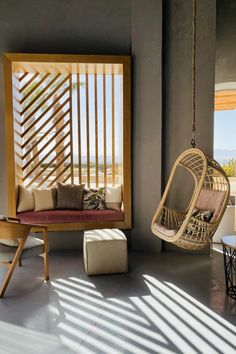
167, 303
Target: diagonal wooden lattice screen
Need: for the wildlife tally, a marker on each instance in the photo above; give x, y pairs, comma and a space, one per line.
68, 127
43, 128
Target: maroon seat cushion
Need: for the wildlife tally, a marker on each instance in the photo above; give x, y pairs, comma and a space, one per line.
73, 216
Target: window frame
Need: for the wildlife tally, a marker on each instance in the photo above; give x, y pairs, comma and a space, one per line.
8, 60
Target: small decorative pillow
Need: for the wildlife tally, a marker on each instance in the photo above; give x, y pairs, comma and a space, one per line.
94, 199
113, 198
69, 196
43, 199
25, 199
204, 215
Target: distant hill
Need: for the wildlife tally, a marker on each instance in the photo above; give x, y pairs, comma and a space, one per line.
224, 155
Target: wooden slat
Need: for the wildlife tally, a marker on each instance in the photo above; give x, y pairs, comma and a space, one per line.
29, 82
71, 132
96, 127
225, 93
17, 133
44, 157
45, 134
45, 145
18, 155
23, 76
126, 92
225, 107
58, 176
225, 100
54, 169
37, 120
79, 129
40, 94
113, 130
33, 88
104, 130
66, 178
36, 132
87, 130
44, 101
45, 168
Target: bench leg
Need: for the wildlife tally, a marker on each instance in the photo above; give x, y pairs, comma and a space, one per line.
46, 269
11, 269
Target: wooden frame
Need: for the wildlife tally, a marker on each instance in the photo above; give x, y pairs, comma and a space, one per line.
15, 59
225, 100
12, 230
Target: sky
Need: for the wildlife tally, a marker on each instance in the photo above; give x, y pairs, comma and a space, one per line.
225, 130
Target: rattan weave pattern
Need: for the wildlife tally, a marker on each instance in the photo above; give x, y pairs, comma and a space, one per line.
190, 232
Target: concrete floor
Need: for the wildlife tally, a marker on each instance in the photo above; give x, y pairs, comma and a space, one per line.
167, 303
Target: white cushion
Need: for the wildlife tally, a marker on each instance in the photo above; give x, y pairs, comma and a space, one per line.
113, 197
105, 251
43, 199
12, 243
25, 199
165, 230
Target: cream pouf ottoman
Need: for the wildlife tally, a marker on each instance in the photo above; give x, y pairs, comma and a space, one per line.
105, 251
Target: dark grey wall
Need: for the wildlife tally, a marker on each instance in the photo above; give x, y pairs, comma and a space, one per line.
65, 26
225, 41
147, 126
100, 27
177, 83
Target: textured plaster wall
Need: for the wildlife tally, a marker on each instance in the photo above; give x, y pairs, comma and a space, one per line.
147, 110
225, 41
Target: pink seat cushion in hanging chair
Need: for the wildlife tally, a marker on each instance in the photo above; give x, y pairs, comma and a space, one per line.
211, 200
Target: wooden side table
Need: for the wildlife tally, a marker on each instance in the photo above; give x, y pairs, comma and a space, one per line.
229, 252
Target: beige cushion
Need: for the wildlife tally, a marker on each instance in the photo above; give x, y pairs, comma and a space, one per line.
25, 199
11, 243
105, 251
211, 200
113, 198
43, 199
165, 230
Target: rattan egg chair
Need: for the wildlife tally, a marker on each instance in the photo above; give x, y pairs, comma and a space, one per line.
211, 192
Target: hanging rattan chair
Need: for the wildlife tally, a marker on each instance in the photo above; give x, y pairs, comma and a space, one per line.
211, 193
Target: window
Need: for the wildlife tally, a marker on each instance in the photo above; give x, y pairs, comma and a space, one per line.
70, 120
225, 130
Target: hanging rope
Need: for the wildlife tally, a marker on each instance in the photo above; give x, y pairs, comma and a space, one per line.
193, 140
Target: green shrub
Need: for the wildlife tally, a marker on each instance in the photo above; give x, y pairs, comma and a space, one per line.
230, 168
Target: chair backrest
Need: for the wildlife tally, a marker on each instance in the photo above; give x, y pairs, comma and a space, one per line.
211, 200
13, 230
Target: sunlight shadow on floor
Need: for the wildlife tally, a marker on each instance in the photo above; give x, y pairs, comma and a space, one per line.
167, 320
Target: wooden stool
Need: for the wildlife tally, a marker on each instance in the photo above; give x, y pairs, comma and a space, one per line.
105, 252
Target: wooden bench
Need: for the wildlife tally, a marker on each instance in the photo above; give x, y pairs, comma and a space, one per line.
61, 220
